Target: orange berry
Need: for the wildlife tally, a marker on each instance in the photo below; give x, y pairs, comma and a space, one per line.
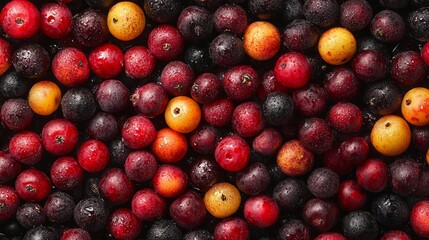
169, 181
183, 114
415, 106
222, 200
337, 46
126, 20
261, 40
390, 135
294, 159
169, 146
44, 97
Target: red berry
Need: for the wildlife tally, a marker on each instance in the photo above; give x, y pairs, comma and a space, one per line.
70, 67
59, 136
150, 100
188, 210
93, 155
219, 112
232, 153
351, 196
261, 211
140, 166
26, 148
241, 83
124, 225
372, 175
5, 56
9, 202
147, 205
138, 132
9, 168
115, 186
74, 234
56, 20
425, 53
232, 228
247, 120
66, 174
292, 70
33, 185
418, 218
177, 78
139, 62
165, 43
20, 19
106, 61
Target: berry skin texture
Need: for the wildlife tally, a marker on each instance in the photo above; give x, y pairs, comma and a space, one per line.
70, 67
116, 187
33, 185
66, 174
147, 205
169, 181
5, 56
373, 175
418, 218
408, 68
391, 135
20, 19
139, 62
138, 132
56, 20
182, 114
59, 136
292, 70
188, 210
93, 156
9, 168
337, 46
9, 202
247, 119
106, 61
294, 159
415, 106
241, 83
261, 40
124, 225
169, 146
232, 228
222, 200
126, 20
261, 211
26, 147
232, 153
44, 97
165, 43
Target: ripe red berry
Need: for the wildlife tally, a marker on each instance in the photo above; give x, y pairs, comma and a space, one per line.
261, 211
232, 153
138, 132
26, 148
33, 185
115, 186
106, 61
59, 136
124, 225
56, 20
9, 202
93, 155
66, 174
292, 70
147, 205
20, 19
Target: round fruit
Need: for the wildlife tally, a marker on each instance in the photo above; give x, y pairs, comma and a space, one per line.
222, 200
391, 135
261, 40
183, 114
337, 46
44, 97
415, 106
126, 20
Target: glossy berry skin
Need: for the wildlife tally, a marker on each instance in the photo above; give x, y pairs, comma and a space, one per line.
177, 78
41, 232
354, 150
139, 62
404, 176
294, 229
321, 13
269, 84
150, 100
140, 166
395, 235
342, 84
247, 120
232, 228
372, 175
16, 114
408, 68
369, 65
147, 205
316, 135
330, 236
292, 70
351, 196
268, 142
300, 35
9, 200
169, 181
59, 136
31, 60
115, 186
226, 50
232, 153
390, 210
355, 15
91, 214
323, 182
59, 207
417, 22
253, 179
12, 85
112, 96
162, 12
425, 53
30, 215
165, 43
9, 168
26, 147
388, 26
383, 97
291, 194
240, 83
188, 210
138, 132
345, 117
103, 126
321, 214
56, 20
204, 139
219, 112
231, 18
5, 56
261, 211
78, 105
204, 173
360, 224
195, 24
93, 155
164, 228
332, 159
90, 28
311, 100
20, 19
66, 174
278, 108
70, 67
206, 88
106, 61
199, 234
124, 225
75, 233
33, 185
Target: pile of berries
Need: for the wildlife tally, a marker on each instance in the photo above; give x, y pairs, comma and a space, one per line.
214, 119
